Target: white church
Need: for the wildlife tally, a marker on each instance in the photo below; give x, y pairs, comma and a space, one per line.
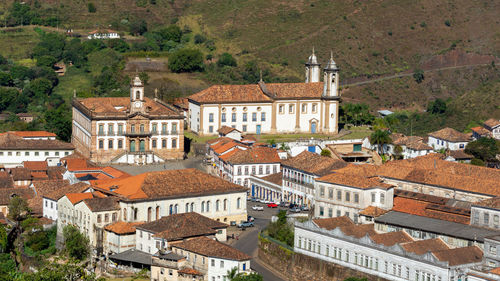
270, 108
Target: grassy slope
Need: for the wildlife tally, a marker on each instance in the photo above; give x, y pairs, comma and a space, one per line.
17, 43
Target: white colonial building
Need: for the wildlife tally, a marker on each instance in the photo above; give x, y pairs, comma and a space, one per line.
16, 149
493, 126
448, 138
392, 256
310, 107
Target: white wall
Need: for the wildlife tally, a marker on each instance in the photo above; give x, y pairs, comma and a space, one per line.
222, 266
144, 241
194, 117
15, 158
50, 208
439, 144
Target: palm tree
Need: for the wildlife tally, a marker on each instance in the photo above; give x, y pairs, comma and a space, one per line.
379, 138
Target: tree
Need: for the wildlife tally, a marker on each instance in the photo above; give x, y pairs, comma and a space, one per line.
379, 138
138, 27
226, 59
281, 230
118, 45
91, 7
76, 244
18, 208
144, 77
5, 79
186, 60
20, 14
51, 44
418, 75
437, 106
39, 88
326, 152
233, 275
59, 121
484, 149
356, 114
46, 60
3, 239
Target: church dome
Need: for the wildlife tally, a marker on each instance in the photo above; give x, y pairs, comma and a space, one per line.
331, 65
137, 81
313, 60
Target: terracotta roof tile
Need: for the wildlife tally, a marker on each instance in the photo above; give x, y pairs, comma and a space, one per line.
419, 145
56, 173
74, 188
36, 176
229, 154
495, 270
6, 181
75, 198
459, 256
489, 203
227, 146
372, 211
211, 248
119, 106
274, 178
358, 231
23, 192
254, 155
459, 154
314, 163
332, 223
98, 204
170, 183
295, 90
450, 134
421, 247
182, 226
12, 141
181, 103
355, 181
230, 93
33, 134
36, 165
391, 238
122, 228
224, 130
481, 131
492, 123
421, 208
190, 271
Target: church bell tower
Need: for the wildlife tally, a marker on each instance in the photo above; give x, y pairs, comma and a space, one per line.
331, 79
312, 69
137, 95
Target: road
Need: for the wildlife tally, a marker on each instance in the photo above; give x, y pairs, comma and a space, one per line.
248, 243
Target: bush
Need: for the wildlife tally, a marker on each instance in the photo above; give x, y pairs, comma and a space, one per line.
199, 39
186, 60
326, 152
91, 8
418, 75
76, 244
5, 79
226, 59
281, 230
447, 22
477, 162
47, 61
437, 106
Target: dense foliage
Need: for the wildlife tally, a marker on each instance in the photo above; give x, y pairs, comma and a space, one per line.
356, 114
76, 244
281, 230
379, 138
186, 60
484, 149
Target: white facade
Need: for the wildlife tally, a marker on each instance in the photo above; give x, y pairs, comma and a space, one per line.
364, 255
227, 208
118, 243
104, 35
335, 200
218, 268
298, 186
144, 241
265, 190
15, 158
444, 144
241, 173
50, 208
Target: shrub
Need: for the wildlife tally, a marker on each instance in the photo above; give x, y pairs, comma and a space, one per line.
47, 61
326, 152
91, 8
447, 22
226, 59
186, 60
418, 75
199, 39
76, 244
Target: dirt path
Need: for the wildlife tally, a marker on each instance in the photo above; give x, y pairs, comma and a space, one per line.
406, 74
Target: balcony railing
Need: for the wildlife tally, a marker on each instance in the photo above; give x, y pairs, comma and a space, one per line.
110, 134
138, 133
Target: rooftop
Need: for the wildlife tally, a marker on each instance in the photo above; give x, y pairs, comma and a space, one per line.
8, 193
437, 226
372, 211
332, 223
492, 123
458, 256
391, 238
169, 184
421, 247
36, 165
122, 228
10, 141
181, 226
224, 130
313, 163
449, 134
211, 248
98, 204
355, 181
74, 198
430, 210
493, 203
254, 155
33, 134
274, 178
120, 107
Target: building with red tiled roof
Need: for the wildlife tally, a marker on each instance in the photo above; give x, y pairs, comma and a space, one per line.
40, 135
310, 107
16, 149
384, 255
493, 126
128, 130
120, 236
448, 138
220, 258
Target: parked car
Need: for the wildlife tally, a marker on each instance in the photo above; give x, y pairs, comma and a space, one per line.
283, 204
295, 210
254, 199
272, 205
250, 219
304, 208
292, 205
245, 224
266, 201
258, 208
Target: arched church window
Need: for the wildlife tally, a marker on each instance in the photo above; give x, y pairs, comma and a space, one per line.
138, 95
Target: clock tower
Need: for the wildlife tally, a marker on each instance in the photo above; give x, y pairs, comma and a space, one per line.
137, 95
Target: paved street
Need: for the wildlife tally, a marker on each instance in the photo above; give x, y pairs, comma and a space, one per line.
248, 240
